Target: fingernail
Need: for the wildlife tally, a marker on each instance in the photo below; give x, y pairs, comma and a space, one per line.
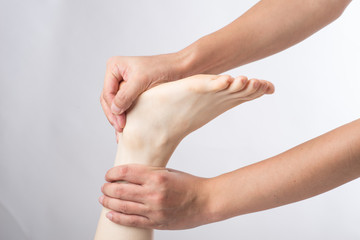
119, 122
109, 216
122, 119
115, 109
101, 199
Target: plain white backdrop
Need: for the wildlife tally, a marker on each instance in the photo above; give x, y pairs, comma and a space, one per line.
56, 144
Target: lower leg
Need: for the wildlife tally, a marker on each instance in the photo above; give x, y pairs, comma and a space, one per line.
108, 230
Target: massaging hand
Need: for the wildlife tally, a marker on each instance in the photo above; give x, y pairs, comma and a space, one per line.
241, 42
127, 77
156, 198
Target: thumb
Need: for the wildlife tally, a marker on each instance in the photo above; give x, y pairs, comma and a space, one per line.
128, 92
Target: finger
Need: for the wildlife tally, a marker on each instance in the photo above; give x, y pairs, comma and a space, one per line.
110, 117
125, 207
121, 120
126, 95
124, 191
111, 87
133, 173
111, 82
117, 136
129, 220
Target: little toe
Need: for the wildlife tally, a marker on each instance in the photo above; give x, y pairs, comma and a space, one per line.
238, 84
266, 87
270, 88
220, 83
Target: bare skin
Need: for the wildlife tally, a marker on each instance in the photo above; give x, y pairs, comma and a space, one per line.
162, 116
259, 33
177, 200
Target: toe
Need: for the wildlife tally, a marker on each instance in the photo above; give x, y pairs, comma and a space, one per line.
238, 84
270, 88
260, 90
253, 86
220, 83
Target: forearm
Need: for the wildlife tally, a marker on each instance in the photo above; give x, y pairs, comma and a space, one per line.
267, 28
309, 169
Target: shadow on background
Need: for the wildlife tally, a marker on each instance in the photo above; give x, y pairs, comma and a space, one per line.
10, 229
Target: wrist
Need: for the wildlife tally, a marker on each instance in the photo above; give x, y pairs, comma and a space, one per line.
187, 61
203, 57
210, 207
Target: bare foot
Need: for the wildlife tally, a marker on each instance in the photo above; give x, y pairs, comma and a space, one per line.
165, 114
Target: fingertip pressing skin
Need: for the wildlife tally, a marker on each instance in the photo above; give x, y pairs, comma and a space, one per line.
110, 117
128, 220
124, 98
133, 173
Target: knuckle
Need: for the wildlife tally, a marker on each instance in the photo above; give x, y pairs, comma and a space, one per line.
119, 190
124, 208
120, 99
159, 178
147, 211
160, 199
132, 221
106, 98
123, 171
116, 218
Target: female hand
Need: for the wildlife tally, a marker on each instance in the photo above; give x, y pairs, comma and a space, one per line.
159, 198
127, 77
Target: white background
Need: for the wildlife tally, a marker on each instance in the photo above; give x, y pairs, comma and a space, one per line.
56, 144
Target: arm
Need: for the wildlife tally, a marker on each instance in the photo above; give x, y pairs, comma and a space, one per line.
307, 170
267, 28
178, 200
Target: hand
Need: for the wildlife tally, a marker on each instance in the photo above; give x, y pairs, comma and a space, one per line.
127, 77
156, 198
